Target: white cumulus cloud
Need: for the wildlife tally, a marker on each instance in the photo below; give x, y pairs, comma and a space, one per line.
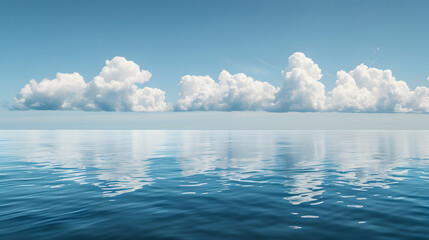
363, 89
63, 92
366, 89
231, 93
418, 100
301, 90
114, 89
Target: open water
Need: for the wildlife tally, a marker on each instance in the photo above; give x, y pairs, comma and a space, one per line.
72, 184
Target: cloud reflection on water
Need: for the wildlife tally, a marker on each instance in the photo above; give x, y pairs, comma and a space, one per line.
120, 162
115, 161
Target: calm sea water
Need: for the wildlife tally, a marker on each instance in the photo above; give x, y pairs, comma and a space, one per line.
214, 184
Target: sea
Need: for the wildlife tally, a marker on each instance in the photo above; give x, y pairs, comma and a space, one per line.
232, 184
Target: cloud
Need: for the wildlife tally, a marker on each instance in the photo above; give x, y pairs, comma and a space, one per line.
114, 89
232, 93
366, 89
418, 100
64, 92
301, 90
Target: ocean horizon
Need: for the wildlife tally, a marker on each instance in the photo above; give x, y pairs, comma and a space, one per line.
214, 119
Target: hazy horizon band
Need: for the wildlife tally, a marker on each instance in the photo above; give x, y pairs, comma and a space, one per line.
212, 120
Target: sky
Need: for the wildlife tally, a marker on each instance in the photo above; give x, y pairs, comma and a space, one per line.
269, 56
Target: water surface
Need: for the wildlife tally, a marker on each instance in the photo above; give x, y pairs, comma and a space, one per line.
72, 184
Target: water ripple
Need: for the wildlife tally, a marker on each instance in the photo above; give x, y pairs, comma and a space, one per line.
214, 184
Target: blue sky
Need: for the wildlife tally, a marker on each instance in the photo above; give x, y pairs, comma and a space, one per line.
173, 38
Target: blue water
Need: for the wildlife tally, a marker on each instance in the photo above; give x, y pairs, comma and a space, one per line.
214, 184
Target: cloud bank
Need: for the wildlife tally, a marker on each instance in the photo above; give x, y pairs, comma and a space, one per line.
114, 89
231, 93
364, 89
